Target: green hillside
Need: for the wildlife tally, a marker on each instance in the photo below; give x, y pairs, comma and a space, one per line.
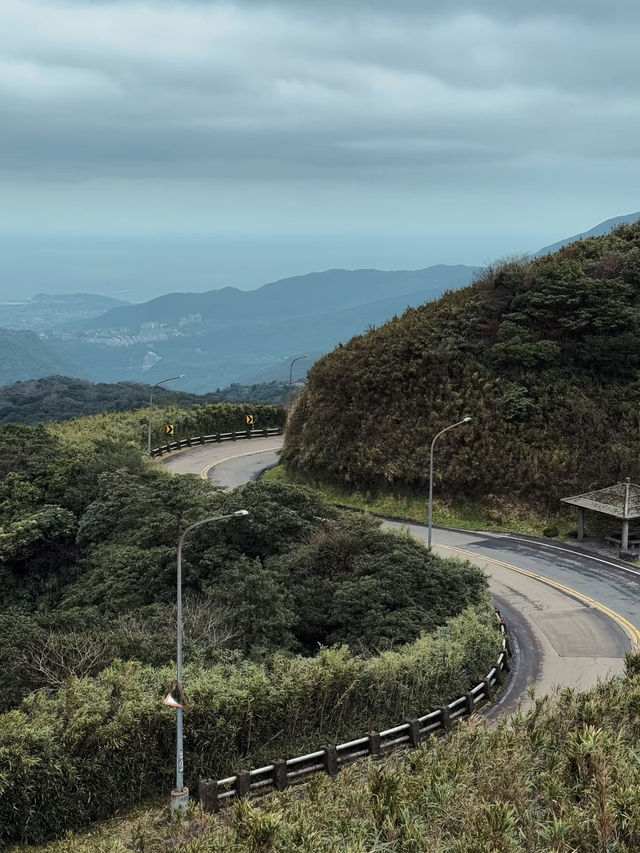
543, 354
303, 625
62, 398
23, 355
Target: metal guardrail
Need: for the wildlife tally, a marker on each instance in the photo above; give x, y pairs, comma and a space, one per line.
216, 437
331, 759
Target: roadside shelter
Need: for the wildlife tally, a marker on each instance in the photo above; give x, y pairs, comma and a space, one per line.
621, 501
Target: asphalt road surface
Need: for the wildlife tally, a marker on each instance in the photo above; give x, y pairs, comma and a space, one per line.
230, 464
573, 615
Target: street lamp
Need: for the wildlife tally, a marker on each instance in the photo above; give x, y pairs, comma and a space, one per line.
297, 358
180, 796
446, 429
157, 385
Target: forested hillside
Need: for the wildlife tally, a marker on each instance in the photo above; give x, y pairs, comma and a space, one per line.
303, 624
61, 398
542, 354
23, 355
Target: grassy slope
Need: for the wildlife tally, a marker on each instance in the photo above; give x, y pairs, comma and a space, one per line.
563, 778
510, 517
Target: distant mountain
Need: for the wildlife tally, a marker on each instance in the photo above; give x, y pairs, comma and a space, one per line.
225, 336
48, 311
299, 296
229, 336
23, 355
599, 230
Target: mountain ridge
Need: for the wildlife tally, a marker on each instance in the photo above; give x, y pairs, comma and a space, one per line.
226, 335
290, 296
599, 230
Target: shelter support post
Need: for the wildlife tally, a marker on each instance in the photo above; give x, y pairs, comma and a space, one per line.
580, 523
625, 535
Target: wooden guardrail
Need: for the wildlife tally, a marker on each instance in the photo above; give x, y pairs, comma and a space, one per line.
216, 437
331, 759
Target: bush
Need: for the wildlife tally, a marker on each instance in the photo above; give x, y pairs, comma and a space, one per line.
542, 353
105, 743
565, 777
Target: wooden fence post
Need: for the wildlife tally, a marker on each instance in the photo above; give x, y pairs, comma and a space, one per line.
375, 750
243, 783
445, 716
330, 761
470, 704
280, 778
208, 790
488, 689
414, 732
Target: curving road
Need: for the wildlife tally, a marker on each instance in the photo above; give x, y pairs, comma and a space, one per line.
230, 464
573, 615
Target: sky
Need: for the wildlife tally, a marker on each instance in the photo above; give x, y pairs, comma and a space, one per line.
155, 146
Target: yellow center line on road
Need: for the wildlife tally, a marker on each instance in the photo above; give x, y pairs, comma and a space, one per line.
627, 626
204, 474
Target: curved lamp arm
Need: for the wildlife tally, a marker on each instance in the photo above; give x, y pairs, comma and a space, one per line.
464, 420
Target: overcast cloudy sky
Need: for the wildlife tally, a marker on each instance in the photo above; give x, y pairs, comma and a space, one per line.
312, 133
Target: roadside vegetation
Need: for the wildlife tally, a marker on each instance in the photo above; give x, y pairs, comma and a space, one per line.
543, 355
303, 624
509, 516
564, 777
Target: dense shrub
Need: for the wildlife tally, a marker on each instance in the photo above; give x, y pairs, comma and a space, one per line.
543, 354
200, 419
88, 544
563, 778
102, 744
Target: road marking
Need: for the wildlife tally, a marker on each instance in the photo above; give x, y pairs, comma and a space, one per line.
585, 555
627, 626
204, 474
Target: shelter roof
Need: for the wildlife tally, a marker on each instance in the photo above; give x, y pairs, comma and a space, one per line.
613, 500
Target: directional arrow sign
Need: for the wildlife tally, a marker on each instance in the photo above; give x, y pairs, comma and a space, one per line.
250, 419
169, 430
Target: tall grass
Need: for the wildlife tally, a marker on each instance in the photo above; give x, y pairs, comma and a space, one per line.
511, 516
564, 778
104, 744
132, 426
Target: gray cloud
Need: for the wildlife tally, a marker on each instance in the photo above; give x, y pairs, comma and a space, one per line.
401, 94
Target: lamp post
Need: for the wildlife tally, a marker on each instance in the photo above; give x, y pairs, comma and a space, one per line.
446, 429
157, 385
297, 358
180, 796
